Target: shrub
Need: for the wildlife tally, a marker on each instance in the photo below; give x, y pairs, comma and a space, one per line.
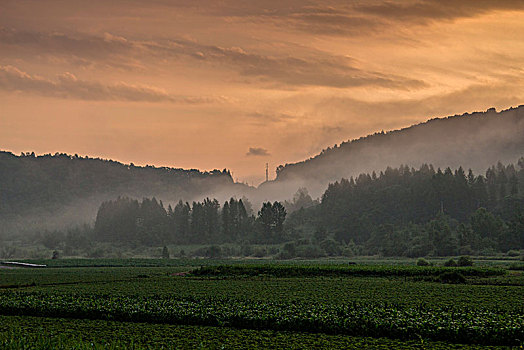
289, 249
513, 252
465, 261
422, 262
260, 252
246, 250
452, 277
348, 252
450, 263
331, 247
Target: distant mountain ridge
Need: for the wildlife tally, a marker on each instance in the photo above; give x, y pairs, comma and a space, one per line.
60, 189
475, 141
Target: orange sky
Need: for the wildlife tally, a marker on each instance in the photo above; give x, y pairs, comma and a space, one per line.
236, 84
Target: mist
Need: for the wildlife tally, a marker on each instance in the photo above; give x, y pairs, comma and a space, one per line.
474, 141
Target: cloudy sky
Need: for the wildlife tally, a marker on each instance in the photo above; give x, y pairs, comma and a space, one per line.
235, 84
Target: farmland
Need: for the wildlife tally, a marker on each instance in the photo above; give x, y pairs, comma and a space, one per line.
299, 304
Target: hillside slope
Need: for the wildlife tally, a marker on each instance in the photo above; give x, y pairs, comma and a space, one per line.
474, 141
51, 191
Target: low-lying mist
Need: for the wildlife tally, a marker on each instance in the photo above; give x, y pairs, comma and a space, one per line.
55, 192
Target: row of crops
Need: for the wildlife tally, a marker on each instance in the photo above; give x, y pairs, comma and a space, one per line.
459, 325
342, 270
165, 283
27, 333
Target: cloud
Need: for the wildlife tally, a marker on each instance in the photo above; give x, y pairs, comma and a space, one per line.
392, 113
81, 49
267, 118
69, 86
319, 70
436, 10
317, 17
257, 151
313, 69
340, 17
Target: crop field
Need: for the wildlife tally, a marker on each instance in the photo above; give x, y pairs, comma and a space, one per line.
58, 333
185, 304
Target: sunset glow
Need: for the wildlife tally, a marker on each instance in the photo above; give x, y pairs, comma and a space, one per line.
231, 84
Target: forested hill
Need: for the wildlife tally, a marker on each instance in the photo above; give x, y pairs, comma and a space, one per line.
473, 141
56, 190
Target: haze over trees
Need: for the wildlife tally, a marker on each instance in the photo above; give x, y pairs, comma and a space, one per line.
475, 141
397, 212
408, 210
56, 191
148, 222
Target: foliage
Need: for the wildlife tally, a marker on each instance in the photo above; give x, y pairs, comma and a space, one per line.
165, 253
465, 261
149, 223
471, 326
58, 333
422, 262
450, 263
425, 211
270, 220
452, 277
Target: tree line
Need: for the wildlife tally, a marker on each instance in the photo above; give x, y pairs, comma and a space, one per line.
418, 212
398, 212
149, 222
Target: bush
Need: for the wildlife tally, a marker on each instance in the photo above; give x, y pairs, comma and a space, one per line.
513, 252
260, 252
466, 250
453, 277
246, 250
422, 262
331, 247
450, 263
348, 252
289, 249
465, 261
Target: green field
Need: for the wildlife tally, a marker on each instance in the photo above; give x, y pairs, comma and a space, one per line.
207, 304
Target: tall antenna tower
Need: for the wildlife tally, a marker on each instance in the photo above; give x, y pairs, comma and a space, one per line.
267, 172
